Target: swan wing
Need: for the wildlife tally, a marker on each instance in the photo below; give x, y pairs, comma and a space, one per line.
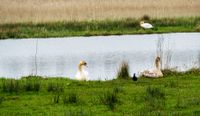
78, 76
82, 75
86, 74
146, 25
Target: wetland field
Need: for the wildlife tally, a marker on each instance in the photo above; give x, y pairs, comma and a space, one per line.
37, 74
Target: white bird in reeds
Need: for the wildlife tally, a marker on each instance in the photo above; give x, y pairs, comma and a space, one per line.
82, 73
154, 73
145, 25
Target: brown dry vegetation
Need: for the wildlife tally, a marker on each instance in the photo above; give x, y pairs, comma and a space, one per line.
12, 11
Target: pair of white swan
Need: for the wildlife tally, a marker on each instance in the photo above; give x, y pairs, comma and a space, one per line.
82, 73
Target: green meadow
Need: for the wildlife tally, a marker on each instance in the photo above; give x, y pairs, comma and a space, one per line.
174, 94
98, 27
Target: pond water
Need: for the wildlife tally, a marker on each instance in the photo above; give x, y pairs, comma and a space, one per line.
59, 57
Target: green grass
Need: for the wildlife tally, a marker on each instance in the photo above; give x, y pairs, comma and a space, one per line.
174, 94
91, 28
110, 98
71, 98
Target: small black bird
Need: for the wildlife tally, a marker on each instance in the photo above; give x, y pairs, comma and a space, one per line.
134, 77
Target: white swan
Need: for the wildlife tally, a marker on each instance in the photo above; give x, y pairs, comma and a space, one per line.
145, 25
82, 74
154, 73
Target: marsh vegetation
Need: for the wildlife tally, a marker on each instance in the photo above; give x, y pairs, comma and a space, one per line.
47, 18
37, 11
95, 27
175, 93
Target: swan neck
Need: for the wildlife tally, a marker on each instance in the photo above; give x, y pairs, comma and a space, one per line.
158, 65
80, 67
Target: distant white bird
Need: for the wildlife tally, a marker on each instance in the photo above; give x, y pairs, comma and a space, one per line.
82, 73
145, 25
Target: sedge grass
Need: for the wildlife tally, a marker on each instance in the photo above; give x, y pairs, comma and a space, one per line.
123, 71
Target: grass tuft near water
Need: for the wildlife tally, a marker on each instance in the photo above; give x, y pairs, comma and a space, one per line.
123, 71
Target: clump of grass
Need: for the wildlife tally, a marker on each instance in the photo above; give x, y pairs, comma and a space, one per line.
155, 92
194, 102
79, 112
71, 98
172, 84
32, 84
194, 71
50, 87
196, 113
117, 90
109, 99
198, 28
2, 99
65, 99
155, 98
55, 87
10, 85
184, 103
32, 77
181, 104
123, 71
56, 98
169, 72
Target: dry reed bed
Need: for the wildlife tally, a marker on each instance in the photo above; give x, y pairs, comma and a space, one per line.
12, 11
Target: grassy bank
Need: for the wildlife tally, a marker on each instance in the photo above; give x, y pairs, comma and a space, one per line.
90, 28
175, 94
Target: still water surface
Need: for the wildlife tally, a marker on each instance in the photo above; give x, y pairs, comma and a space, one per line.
59, 57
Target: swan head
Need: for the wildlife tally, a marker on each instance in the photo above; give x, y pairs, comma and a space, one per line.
82, 63
141, 22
